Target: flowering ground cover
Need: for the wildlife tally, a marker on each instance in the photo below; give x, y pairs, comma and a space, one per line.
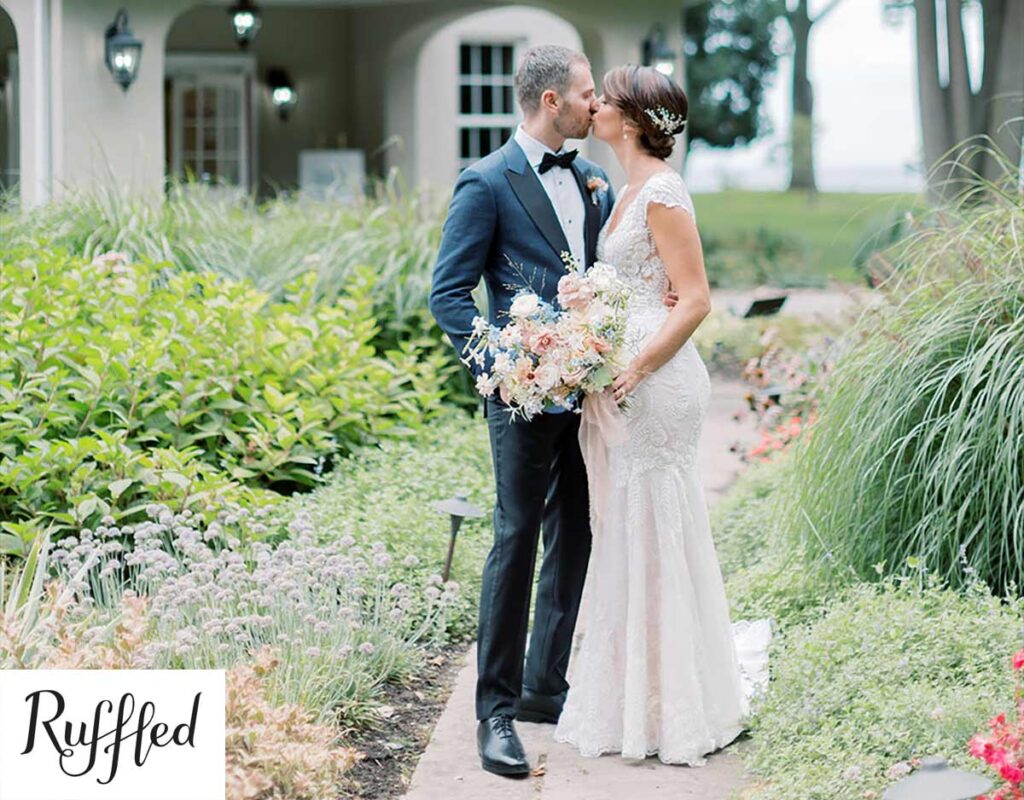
883, 536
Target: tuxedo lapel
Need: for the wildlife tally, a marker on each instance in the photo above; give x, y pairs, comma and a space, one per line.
535, 200
593, 216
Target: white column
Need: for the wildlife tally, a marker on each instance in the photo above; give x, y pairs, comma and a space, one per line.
32, 23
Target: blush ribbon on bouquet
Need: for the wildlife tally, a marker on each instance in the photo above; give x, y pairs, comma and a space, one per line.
602, 427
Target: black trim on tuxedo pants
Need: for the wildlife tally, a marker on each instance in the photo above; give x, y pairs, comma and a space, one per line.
541, 483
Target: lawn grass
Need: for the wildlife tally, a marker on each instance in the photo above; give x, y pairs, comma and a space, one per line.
830, 229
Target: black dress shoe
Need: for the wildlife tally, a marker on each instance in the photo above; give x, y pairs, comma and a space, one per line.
501, 752
535, 707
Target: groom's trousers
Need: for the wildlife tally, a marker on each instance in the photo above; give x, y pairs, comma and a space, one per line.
541, 483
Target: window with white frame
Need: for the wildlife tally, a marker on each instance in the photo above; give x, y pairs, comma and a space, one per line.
211, 121
487, 107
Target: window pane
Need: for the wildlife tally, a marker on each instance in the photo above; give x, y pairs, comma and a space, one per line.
487, 106
465, 67
232, 103
189, 103
231, 170
231, 141
507, 66
209, 103
485, 59
509, 101
189, 137
464, 144
210, 139
466, 100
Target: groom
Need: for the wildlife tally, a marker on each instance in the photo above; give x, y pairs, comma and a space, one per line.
512, 215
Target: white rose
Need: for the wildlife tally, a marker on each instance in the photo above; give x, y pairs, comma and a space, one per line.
546, 377
524, 305
486, 385
596, 312
601, 276
510, 336
502, 363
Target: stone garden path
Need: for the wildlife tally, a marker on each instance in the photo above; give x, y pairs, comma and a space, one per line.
450, 768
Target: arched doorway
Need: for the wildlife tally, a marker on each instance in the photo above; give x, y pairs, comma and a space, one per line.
450, 98
10, 139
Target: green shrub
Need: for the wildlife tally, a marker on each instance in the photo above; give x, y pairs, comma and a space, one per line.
765, 576
220, 230
101, 361
890, 672
740, 520
727, 341
758, 257
918, 451
383, 494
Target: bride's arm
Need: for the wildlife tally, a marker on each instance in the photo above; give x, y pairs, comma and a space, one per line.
678, 243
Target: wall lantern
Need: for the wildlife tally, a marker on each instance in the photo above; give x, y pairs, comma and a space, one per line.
246, 21
936, 781
657, 52
122, 52
457, 508
282, 91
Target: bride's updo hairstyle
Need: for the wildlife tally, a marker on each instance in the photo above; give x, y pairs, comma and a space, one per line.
651, 101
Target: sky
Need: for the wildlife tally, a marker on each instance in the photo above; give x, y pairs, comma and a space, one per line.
868, 134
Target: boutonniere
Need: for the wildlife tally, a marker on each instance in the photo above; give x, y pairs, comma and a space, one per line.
597, 186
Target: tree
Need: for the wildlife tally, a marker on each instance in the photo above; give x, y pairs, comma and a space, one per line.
730, 56
798, 17
953, 107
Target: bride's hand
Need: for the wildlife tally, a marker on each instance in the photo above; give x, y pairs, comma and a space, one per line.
625, 383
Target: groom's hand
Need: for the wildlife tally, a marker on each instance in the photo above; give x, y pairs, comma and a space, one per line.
671, 299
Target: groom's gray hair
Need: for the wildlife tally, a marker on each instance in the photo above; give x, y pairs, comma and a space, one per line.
547, 66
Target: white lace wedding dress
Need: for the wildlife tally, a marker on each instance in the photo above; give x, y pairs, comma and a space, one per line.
657, 667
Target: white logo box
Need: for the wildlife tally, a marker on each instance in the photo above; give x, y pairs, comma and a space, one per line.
187, 762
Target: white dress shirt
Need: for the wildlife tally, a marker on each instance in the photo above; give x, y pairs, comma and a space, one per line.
562, 190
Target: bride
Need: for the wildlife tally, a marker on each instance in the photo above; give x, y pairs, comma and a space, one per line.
655, 669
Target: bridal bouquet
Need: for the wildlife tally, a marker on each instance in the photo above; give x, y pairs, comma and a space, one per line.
547, 356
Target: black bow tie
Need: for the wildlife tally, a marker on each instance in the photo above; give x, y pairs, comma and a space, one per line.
550, 161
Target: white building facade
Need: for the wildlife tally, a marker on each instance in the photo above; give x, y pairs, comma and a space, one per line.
422, 86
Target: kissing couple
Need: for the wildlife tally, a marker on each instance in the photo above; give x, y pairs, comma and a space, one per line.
627, 543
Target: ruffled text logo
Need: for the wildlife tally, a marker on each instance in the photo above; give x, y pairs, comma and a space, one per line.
71, 738
112, 734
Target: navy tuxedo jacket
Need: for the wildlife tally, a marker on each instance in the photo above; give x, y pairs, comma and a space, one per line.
502, 227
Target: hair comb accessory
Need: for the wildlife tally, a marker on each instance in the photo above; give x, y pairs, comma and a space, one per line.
667, 122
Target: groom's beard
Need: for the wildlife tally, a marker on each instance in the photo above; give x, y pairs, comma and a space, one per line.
571, 128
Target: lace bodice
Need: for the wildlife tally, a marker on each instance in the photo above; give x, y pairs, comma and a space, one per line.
630, 246
667, 407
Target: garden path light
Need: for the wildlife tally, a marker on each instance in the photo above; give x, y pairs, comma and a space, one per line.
458, 508
936, 781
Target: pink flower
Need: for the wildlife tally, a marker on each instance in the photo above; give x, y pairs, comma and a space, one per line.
574, 292
1011, 773
978, 746
575, 378
1018, 659
524, 370
542, 342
